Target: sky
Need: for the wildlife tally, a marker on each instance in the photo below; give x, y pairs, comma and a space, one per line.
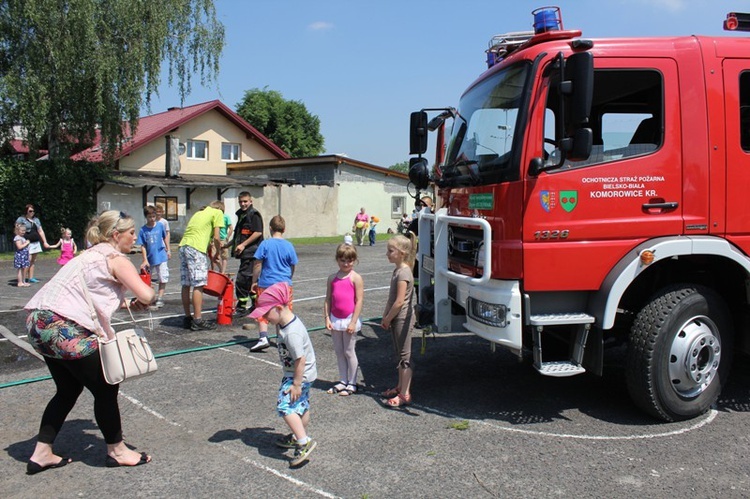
363, 66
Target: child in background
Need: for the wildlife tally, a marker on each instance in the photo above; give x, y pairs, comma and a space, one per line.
344, 296
373, 222
67, 245
298, 365
348, 239
160, 218
154, 244
21, 259
398, 316
275, 259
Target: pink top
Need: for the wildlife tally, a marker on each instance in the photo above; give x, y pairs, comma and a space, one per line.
342, 297
362, 217
64, 294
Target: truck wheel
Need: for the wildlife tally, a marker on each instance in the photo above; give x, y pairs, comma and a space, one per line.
679, 352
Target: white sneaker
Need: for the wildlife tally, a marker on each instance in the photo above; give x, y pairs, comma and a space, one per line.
159, 303
261, 345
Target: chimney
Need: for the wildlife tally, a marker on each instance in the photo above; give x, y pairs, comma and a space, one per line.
173, 156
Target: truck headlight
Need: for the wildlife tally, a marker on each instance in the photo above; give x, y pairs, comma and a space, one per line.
491, 314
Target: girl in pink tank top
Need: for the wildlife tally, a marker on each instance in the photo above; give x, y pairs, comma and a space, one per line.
67, 245
344, 296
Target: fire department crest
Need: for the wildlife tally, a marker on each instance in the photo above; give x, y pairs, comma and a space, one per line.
568, 200
548, 200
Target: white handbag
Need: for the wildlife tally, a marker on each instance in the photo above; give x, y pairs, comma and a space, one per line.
127, 355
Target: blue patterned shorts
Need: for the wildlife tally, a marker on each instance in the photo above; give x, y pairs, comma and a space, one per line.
285, 406
193, 267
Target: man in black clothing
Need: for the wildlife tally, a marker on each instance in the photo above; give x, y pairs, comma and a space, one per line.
248, 235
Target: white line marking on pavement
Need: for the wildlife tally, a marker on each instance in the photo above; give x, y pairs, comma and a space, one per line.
326, 277
228, 350
304, 485
143, 406
320, 297
286, 477
709, 418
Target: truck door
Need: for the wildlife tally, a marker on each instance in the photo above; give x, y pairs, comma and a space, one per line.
583, 216
737, 111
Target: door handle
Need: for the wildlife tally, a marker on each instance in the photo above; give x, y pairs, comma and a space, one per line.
669, 205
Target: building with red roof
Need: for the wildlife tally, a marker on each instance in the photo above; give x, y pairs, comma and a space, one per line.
212, 136
221, 155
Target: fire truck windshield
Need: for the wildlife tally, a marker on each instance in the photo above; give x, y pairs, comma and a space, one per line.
482, 137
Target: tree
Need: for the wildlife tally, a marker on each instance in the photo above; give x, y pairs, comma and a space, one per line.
72, 68
402, 167
287, 123
64, 195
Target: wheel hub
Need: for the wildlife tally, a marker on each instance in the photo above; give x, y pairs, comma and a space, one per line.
694, 357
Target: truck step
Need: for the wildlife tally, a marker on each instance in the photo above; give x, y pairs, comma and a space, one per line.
560, 368
561, 319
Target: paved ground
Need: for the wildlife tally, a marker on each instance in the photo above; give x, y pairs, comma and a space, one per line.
483, 423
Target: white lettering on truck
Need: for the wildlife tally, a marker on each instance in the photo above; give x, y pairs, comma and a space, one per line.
622, 187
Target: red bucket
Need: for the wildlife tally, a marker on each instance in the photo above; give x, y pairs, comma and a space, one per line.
146, 276
216, 283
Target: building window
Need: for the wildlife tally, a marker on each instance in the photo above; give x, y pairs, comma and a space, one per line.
398, 206
230, 152
197, 149
170, 206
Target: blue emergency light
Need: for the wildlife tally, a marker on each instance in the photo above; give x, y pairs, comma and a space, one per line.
547, 19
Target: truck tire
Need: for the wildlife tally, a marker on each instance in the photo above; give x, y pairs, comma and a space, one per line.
679, 352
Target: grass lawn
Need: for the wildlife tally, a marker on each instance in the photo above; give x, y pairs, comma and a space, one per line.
297, 241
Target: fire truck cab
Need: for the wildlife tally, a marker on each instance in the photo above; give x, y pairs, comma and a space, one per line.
595, 191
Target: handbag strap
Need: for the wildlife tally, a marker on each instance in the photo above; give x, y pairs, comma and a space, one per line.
94, 315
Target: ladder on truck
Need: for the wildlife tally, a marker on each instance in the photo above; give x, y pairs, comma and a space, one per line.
560, 368
502, 45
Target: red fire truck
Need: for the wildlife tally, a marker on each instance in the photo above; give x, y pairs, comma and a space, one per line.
595, 192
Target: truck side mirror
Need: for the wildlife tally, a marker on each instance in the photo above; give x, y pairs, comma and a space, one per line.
418, 133
579, 71
580, 147
419, 173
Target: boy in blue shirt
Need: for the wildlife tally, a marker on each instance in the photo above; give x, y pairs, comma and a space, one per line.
154, 243
275, 259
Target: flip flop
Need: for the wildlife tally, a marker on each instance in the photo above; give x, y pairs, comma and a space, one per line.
338, 387
390, 393
33, 468
111, 462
